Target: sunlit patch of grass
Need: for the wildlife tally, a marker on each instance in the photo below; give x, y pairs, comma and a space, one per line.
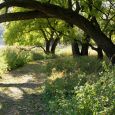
65, 51
92, 52
0, 106
14, 93
55, 75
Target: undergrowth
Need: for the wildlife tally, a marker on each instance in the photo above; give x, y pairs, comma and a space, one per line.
82, 86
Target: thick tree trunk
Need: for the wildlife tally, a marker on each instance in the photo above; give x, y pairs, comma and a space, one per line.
113, 59
101, 39
54, 45
84, 50
100, 53
75, 48
85, 46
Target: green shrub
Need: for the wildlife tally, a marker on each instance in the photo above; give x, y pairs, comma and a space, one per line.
82, 90
3, 63
12, 58
89, 64
16, 58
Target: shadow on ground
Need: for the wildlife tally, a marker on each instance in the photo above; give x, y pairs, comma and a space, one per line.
20, 90
30, 104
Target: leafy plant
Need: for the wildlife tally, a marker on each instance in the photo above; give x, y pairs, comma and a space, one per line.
12, 58
79, 90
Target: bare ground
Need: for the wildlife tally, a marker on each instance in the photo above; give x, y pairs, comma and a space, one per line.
21, 89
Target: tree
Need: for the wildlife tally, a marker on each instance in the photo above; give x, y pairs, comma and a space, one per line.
36, 32
38, 9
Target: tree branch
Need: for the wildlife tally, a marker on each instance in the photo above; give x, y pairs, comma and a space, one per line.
44, 34
54, 29
29, 49
92, 47
22, 16
30, 4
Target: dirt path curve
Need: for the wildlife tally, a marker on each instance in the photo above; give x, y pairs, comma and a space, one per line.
21, 89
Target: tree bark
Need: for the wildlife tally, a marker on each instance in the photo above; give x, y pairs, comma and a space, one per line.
75, 48
113, 59
100, 53
98, 50
54, 45
84, 50
47, 46
85, 45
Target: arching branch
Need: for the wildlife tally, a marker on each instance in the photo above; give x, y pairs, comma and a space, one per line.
54, 11
21, 16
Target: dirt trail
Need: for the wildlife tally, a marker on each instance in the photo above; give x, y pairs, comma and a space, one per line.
20, 90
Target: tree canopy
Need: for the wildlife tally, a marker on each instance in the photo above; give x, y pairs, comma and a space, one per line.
84, 14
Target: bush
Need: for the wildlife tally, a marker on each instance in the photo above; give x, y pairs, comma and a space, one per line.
81, 90
16, 58
12, 58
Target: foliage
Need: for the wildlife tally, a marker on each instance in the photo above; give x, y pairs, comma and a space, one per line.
75, 87
16, 58
3, 63
31, 32
21, 33
12, 58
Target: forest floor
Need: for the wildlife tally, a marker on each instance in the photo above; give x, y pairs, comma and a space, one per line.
20, 90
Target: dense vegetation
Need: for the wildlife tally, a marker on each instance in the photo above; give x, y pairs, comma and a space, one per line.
75, 87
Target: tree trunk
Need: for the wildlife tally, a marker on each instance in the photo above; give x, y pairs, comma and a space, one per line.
54, 45
75, 48
113, 59
47, 46
84, 50
101, 39
100, 53
85, 46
